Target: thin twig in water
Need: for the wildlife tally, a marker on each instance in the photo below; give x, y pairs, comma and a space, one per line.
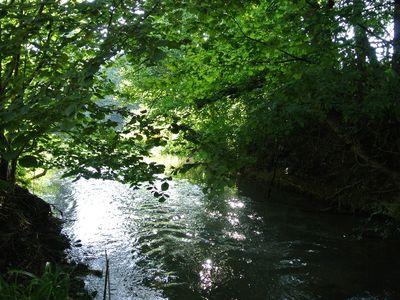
106, 279
109, 284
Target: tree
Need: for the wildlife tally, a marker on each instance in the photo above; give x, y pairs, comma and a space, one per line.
311, 86
51, 59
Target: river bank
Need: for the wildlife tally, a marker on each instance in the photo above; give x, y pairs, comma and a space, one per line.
31, 241
325, 196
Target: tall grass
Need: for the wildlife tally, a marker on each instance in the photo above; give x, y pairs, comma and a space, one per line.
53, 284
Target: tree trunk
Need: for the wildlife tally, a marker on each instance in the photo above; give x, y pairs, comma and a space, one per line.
396, 38
12, 172
4, 164
3, 169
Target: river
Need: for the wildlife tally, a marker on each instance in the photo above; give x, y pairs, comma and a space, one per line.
237, 245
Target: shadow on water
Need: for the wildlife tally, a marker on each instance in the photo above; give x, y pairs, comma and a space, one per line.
234, 246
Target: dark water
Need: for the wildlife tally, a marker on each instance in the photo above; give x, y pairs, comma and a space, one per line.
226, 247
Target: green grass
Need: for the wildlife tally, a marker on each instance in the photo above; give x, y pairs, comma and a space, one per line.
21, 285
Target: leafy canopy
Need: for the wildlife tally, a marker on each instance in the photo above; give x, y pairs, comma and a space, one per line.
256, 82
53, 63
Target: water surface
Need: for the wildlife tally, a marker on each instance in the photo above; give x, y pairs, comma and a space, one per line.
228, 247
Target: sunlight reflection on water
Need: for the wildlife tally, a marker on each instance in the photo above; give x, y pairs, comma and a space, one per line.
97, 218
206, 274
193, 247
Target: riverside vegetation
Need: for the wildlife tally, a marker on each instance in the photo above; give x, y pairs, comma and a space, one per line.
302, 94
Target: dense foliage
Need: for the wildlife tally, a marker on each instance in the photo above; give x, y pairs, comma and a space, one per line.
306, 91
52, 69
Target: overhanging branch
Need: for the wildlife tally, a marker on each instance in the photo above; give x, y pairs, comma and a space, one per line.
298, 58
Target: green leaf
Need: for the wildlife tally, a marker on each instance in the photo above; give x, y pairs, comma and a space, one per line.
164, 186
19, 141
28, 161
174, 128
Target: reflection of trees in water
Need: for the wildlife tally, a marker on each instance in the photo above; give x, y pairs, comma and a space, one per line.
56, 191
60, 194
65, 200
227, 247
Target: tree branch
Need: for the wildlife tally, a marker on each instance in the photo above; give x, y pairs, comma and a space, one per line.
41, 174
298, 58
